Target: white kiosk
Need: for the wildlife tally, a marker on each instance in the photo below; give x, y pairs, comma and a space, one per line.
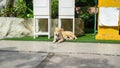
67, 11
108, 20
41, 11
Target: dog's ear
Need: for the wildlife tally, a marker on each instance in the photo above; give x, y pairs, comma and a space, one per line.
57, 29
62, 29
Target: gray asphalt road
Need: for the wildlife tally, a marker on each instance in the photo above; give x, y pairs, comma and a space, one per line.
15, 59
78, 60
31, 54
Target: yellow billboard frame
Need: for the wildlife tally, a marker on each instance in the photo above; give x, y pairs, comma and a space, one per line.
108, 32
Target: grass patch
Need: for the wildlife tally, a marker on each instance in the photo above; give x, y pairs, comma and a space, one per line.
30, 38
90, 38
87, 38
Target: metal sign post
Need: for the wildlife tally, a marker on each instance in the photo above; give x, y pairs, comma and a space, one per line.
95, 17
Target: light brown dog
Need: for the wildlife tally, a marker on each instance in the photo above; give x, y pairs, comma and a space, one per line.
60, 35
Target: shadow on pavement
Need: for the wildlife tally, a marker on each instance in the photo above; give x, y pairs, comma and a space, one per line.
16, 59
66, 61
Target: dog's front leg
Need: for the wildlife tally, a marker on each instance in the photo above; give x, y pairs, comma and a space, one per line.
61, 40
55, 39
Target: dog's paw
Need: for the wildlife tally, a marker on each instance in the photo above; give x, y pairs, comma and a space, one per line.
76, 38
54, 41
60, 41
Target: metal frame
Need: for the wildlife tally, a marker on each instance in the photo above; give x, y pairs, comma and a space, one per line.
36, 27
67, 17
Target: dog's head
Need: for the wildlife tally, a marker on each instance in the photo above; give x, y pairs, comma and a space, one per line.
58, 31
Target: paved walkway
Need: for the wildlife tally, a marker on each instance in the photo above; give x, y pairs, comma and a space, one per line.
35, 54
62, 47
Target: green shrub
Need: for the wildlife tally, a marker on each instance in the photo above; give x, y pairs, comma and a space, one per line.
20, 10
54, 8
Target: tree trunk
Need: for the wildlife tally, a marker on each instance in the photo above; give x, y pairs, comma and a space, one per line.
10, 3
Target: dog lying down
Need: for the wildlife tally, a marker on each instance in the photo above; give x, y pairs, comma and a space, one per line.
60, 35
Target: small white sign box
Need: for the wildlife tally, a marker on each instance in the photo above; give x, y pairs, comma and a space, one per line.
66, 11
109, 16
41, 11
